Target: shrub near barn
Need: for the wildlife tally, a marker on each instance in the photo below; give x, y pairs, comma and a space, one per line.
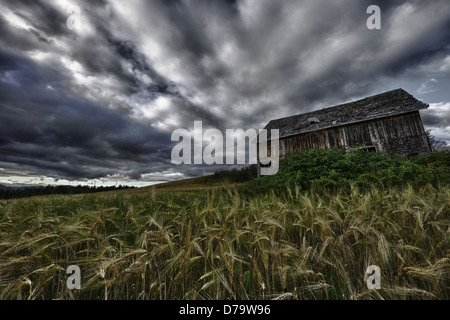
336, 170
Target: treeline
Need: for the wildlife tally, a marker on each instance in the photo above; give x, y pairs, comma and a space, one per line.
11, 193
235, 175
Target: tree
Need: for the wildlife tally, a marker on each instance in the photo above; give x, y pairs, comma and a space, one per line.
434, 143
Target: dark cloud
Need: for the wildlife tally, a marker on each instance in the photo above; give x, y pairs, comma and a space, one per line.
48, 130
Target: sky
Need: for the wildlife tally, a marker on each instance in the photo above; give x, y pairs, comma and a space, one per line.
91, 91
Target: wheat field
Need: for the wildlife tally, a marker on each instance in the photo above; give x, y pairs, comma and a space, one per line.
219, 244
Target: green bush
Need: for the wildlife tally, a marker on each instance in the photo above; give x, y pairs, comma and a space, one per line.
336, 170
234, 175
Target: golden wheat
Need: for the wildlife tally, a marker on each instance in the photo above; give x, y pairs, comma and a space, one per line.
219, 244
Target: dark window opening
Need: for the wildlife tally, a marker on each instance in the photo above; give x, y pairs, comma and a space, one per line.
269, 165
367, 149
313, 120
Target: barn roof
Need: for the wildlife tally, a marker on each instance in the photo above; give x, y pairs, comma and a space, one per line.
379, 106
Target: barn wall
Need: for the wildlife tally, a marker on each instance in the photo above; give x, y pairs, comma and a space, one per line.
402, 134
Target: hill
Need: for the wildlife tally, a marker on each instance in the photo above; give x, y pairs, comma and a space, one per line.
195, 240
219, 179
223, 244
191, 183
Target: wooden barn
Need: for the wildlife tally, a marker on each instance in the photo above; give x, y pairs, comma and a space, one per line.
388, 121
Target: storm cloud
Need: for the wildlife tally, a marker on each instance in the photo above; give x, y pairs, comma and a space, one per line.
102, 100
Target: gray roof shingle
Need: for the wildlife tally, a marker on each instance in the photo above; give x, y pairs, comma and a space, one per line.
379, 106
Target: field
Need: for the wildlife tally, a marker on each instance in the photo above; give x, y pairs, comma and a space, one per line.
222, 243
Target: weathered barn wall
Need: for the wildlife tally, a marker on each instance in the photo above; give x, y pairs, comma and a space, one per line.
403, 134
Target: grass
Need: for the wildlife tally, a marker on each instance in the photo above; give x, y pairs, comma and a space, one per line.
221, 244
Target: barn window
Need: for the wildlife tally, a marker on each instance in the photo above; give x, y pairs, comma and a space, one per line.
313, 120
366, 148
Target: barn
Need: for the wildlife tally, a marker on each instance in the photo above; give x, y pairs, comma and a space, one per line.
388, 121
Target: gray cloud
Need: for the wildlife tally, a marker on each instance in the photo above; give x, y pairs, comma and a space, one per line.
45, 129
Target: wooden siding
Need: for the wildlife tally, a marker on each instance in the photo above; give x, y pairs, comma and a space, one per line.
402, 134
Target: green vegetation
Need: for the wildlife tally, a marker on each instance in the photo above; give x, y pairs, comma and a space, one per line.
230, 176
337, 171
222, 243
